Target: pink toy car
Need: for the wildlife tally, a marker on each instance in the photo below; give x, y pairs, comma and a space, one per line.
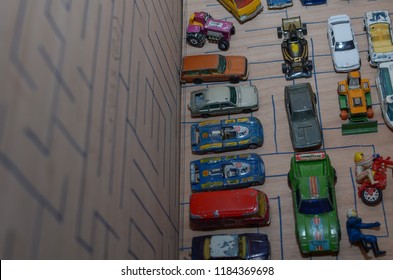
202, 26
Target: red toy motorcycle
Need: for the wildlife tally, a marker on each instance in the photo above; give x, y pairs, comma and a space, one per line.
371, 194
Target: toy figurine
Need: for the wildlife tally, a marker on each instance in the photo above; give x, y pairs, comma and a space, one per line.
354, 226
371, 176
363, 168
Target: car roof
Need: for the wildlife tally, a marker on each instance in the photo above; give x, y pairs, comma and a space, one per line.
341, 28
200, 62
217, 94
221, 204
299, 97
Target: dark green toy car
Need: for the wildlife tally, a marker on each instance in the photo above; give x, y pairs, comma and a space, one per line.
312, 179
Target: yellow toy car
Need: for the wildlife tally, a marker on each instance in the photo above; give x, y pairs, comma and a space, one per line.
243, 10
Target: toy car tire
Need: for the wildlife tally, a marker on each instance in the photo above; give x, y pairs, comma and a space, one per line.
371, 200
309, 65
304, 29
197, 81
284, 68
205, 116
233, 30
252, 146
196, 39
223, 45
234, 80
279, 32
247, 111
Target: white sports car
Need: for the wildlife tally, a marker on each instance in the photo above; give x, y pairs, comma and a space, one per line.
342, 43
384, 81
377, 25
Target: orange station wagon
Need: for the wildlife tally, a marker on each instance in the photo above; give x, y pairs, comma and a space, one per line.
229, 208
213, 68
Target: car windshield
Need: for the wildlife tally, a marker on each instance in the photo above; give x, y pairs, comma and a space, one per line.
233, 95
344, 46
222, 64
315, 206
302, 115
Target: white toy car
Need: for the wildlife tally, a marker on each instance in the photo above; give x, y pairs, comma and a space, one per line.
342, 43
377, 25
384, 82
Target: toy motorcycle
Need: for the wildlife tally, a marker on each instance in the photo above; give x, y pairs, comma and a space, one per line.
371, 194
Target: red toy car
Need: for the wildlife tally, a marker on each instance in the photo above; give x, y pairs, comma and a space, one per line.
229, 208
202, 26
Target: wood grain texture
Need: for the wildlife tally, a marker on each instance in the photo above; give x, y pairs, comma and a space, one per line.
257, 40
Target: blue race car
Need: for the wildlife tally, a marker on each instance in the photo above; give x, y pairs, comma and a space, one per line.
279, 4
226, 172
312, 2
224, 135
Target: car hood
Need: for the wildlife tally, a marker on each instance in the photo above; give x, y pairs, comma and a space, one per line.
346, 59
258, 248
317, 232
306, 134
236, 65
248, 96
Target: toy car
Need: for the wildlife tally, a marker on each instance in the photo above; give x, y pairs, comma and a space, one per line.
279, 4
243, 10
304, 127
228, 209
312, 2
223, 100
356, 105
227, 172
312, 178
342, 43
246, 246
223, 135
385, 91
202, 26
213, 68
378, 27
294, 49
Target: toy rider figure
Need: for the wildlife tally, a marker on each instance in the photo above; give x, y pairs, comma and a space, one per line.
354, 224
363, 168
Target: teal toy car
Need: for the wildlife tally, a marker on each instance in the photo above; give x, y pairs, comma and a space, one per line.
312, 179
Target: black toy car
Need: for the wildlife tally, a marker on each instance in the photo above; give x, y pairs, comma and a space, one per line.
294, 49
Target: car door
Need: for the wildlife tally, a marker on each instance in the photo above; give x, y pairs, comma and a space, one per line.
229, 107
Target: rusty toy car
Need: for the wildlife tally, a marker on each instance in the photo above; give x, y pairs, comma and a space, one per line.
213, 68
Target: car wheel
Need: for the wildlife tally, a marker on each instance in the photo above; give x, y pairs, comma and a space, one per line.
197, 81
233, 30
371, 196
205, 115
344, 115
304, 29
368, 56
364, 25
234, 80
223, 45
247, 111
289, 181
252, 146
196, 39
279, 32
284, 68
